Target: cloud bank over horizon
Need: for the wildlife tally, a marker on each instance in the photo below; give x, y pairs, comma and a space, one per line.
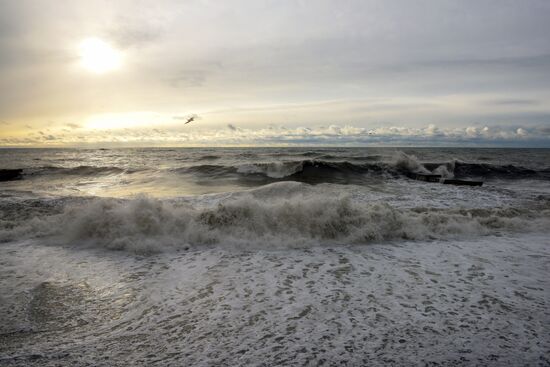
332, 135
322, 72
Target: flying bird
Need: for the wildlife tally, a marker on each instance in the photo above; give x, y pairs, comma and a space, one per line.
192, 118
187, 119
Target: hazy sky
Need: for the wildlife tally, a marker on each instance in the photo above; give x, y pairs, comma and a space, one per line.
275, 72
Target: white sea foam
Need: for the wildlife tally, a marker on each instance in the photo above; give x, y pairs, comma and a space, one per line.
408, 163
463, 279
436, 302
445, 170
260, 220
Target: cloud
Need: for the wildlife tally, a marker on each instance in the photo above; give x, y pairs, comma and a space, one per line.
450, 64
332, 135
133, 33
349, 135
187, 79
8, 142
471, 131
513, 102
432, 130
72, 125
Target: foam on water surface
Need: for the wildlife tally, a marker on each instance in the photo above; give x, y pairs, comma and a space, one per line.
278, 216
452, 302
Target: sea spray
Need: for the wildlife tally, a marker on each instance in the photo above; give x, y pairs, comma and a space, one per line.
145, 224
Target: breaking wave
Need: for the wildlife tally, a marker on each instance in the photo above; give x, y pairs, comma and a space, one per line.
325, 168
261, 219
318, 170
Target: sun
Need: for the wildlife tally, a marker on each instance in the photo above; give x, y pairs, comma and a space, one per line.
98, 56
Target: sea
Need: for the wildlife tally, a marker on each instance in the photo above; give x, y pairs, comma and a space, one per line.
274, 257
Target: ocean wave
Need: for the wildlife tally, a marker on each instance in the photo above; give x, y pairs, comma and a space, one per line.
22, 173
11, 174
493, 170
326, 168
78, 170
329, 171
268, 221
307, 171
273, 169
211, 170
209, 157
461, 169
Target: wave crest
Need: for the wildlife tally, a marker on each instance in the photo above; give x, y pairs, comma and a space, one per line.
145, 224
273, 169
319, 170
315, 170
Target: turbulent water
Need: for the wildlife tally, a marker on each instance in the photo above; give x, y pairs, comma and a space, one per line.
274, 257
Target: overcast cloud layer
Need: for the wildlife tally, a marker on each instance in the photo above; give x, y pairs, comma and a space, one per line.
278, 72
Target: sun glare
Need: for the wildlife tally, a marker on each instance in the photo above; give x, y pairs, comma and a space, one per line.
98, 56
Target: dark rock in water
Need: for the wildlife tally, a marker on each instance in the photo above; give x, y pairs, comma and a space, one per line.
438, 178
11, 174
424, 177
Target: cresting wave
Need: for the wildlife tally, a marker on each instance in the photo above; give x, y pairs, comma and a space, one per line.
321, 169
252, 221
313, 171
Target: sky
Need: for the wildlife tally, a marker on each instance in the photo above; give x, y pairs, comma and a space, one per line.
254, 72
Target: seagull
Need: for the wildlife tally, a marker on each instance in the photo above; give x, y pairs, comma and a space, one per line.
192, 118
